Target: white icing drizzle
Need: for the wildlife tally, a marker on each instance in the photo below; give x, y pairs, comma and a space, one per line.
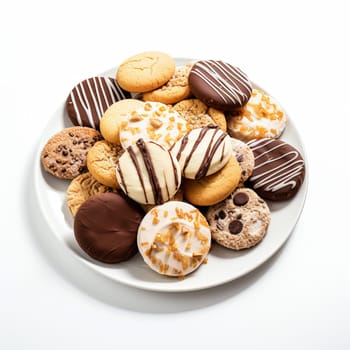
279, 176
229, 89
79, 96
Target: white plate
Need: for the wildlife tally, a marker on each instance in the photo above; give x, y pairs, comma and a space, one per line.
223, 264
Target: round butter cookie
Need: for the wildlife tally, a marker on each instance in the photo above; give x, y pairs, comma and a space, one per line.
90, 99
64, 155
110, 121
175, 90
102, 160
154, 121
145, 71
279, 169
174, 238
148, 173
261, 117
219, 84
213, 188
202, 152
106, 225
81, 188
240, 221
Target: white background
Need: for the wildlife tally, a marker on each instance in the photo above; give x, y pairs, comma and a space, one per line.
298, 51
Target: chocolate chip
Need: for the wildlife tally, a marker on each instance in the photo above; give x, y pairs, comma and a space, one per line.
239, 158
240, 198
243, 172
235, 227
222, 214
71, 134
239, 216
74, 142
65, 153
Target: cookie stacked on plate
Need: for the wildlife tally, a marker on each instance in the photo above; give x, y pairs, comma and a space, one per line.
164, 159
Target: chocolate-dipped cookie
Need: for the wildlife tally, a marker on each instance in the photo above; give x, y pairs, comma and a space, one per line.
219, 84
90, 99
105, 227
279, 169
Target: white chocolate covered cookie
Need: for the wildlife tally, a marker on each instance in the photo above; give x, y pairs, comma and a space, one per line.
202, 152
261, 117
148, 173
154, 121
174, 238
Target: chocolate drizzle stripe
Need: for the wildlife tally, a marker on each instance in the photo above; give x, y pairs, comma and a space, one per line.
195, 145
228, 89
138, 170
123, 184
176, 179
102, 83
280, 169
80, 103
156, 189
113, 86
209, 154
94, 104
184, 142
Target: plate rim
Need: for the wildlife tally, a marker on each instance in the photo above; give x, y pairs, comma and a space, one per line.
171, 288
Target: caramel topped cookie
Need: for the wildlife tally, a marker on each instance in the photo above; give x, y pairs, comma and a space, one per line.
90, 99
64, 154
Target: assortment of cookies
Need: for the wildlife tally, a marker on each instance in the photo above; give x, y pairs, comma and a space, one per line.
164, 160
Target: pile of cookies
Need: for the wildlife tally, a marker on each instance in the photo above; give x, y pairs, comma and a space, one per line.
163, 160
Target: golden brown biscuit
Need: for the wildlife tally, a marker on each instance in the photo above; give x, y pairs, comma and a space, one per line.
175, 90
213, 188
110, 121
198, 114
64, 154
102, 160
145, 71
81, 188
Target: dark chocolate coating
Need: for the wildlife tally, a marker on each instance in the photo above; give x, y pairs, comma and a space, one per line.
106, 225
91, 98
279, 169
219, 85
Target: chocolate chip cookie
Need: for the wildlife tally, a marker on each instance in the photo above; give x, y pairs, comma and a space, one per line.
64, 154
240, 221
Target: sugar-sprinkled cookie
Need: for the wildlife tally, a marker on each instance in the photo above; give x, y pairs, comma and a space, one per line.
90, 99
174, 238
240, 221
219, 84
64, 154
279, 169
148, 173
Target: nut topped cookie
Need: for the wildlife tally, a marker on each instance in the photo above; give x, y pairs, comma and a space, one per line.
174, 238
154, 121
64, 155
